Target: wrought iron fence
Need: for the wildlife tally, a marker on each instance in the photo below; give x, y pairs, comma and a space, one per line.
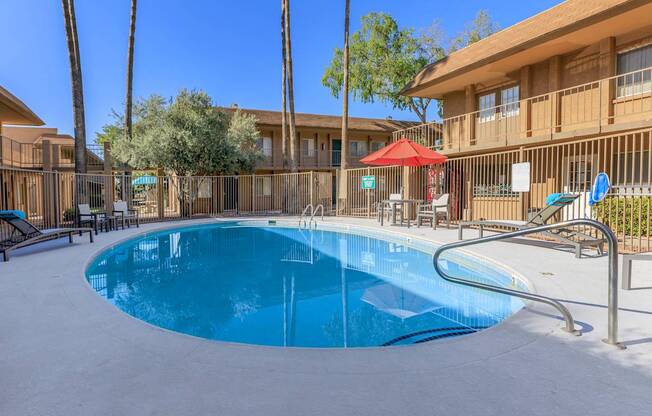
50, 199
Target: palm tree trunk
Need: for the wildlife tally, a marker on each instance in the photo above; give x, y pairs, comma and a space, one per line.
345, 95
130, 72
284, 116
70, 25
294, 140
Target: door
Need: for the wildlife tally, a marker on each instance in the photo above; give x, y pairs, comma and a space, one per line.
336, 155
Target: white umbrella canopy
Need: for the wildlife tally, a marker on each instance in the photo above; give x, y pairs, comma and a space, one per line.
398, 302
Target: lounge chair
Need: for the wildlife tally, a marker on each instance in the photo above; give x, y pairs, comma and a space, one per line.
97, 220
433, 210
554, 204
125, 214
25, 234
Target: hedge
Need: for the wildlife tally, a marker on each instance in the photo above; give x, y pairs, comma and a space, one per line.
630, 215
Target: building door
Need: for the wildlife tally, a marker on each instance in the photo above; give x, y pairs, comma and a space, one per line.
336, 155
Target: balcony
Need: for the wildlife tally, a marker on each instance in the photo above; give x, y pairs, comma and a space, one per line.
30, 155
618, 103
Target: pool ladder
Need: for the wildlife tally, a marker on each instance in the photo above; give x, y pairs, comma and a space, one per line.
612, 329
313, 212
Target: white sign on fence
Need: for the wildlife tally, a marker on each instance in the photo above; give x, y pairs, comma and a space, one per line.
521, 177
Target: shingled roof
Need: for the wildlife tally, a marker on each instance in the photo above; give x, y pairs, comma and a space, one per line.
565, 18
305, 120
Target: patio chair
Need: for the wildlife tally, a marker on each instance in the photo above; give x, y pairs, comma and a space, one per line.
96, 220
554, 204
433, 210
391, 209
26, 234
125, 214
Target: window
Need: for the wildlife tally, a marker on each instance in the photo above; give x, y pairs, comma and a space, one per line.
579, 174
509, 101
635, 76
308, 148
358, 148
375, 146
264, 186
487, 104
265, 145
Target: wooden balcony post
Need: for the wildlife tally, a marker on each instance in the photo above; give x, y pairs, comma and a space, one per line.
554, 84
525, 105
470, 106
607, 85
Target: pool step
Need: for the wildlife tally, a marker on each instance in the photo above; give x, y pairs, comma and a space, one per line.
433, 334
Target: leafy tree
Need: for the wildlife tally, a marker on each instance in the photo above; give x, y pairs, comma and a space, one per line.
186, 135
383, 59
481, 27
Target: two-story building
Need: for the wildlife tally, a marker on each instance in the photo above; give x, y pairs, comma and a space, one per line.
568, 90
320, 139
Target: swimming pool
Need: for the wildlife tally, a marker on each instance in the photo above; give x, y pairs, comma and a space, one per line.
259, 283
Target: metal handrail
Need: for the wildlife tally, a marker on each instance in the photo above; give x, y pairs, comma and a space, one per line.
303, 214
612, 331
314, 213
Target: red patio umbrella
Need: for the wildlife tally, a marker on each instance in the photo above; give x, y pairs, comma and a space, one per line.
404, 153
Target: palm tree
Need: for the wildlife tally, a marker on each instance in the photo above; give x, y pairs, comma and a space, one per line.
284, 117
70, 25
294, 140
130, 71
345, 95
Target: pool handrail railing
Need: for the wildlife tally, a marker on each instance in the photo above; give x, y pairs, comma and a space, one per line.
612, 330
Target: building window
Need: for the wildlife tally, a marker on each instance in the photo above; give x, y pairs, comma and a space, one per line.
634, 68
487, 104
509, 98
264, 186
358, 148
308, 148
265, 145
493, 181
375, 146
579, 174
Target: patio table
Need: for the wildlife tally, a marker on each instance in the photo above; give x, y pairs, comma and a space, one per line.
407, 203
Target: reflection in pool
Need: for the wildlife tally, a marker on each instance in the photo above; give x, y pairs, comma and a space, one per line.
289, 287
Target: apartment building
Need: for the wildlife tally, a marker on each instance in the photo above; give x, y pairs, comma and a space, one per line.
320, 139
568, 90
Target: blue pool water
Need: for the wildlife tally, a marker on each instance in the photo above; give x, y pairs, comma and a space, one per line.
282, 286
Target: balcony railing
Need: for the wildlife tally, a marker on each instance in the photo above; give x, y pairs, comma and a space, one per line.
617, 103
30, 155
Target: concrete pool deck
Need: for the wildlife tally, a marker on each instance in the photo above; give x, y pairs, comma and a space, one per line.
66, 351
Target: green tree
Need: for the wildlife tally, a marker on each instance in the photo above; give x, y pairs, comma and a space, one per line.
186, 136
481, 27
383, 59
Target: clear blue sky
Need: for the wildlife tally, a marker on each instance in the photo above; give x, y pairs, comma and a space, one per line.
229, 49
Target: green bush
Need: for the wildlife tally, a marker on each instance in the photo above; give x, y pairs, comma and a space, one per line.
630, 215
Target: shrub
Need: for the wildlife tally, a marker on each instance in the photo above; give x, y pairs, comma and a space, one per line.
630, 215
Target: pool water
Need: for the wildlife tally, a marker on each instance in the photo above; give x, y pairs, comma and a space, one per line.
282, 286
